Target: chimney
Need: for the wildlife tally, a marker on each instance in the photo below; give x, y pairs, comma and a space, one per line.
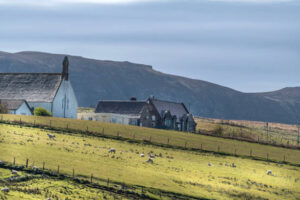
133, 99
65, 72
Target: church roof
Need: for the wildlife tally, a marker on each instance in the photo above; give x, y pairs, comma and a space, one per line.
177, 109
33, 87
12, 104
121, 107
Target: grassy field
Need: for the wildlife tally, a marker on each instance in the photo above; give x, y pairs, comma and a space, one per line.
173, 138
173, 171
36, 187
273, 133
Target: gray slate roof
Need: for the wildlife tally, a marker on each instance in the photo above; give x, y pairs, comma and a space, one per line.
33, 87
12, 104
121, 107
177, 109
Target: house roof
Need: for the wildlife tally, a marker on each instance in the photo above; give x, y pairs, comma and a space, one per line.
177, 109
120, 107
33, 87
12, 104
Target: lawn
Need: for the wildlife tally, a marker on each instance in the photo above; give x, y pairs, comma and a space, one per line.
178, 171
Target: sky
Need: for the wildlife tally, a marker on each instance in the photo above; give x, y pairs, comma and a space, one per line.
247, 45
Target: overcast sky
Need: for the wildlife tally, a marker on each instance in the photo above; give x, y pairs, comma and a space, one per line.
248, 45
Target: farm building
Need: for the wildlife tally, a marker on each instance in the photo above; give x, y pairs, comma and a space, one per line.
52, 91
150, 113
16, 106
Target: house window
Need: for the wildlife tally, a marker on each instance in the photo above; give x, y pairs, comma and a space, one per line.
153, 118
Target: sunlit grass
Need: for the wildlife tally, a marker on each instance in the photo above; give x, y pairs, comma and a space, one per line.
173, 170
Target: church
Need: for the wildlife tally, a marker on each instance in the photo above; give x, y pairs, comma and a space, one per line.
52, 91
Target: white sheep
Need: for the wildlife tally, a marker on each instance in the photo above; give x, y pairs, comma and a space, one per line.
5, 189
121, 152
142, 155
209, 164
51, 137
269, 172
233, 165
151, 155
112, 150
14, 172
150, 160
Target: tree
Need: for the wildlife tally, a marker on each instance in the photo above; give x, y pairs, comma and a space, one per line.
3, 109
40, 111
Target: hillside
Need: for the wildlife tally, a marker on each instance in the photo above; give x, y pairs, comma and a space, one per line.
175, 173
96, 79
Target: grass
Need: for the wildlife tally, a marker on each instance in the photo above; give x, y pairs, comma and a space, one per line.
41, 187
173, 171
85, 110
274, 133
172, 138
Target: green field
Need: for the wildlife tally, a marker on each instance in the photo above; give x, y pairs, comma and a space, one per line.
172, 138
273, 133
174, 171
36, 187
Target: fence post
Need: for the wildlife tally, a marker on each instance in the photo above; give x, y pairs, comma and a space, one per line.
150, 138
284, 158
133, 136
218, 148
73, 174
34, 123
108, 182
91, 178
168, 140
250, 152
67, 125
27, 163
103, 131
87, 128
267, 156
185, 144
201, 147
57, 169
14, 163
50, 123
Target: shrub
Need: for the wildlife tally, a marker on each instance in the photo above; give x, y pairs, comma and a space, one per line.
218, 130
3, 109
42, 112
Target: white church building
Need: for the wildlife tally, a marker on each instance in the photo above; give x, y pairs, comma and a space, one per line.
52, 91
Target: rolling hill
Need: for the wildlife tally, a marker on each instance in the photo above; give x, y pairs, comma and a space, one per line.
93, 80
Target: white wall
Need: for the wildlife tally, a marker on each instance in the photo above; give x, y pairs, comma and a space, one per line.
65, 103
109, 117
23, 110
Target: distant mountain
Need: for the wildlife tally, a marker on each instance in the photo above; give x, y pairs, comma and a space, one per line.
93, 80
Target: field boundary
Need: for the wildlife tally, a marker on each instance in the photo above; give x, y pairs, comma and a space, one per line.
120, 188
145, 142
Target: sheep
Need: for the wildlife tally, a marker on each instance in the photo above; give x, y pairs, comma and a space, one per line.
121, 152
1, 162
233, 165
269, 172
5, 189
209, 164
142, 155
112, 150
151, 155
150, 160
51, 137
14, 172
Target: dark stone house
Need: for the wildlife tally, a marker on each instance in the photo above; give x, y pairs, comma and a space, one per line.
152, 113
